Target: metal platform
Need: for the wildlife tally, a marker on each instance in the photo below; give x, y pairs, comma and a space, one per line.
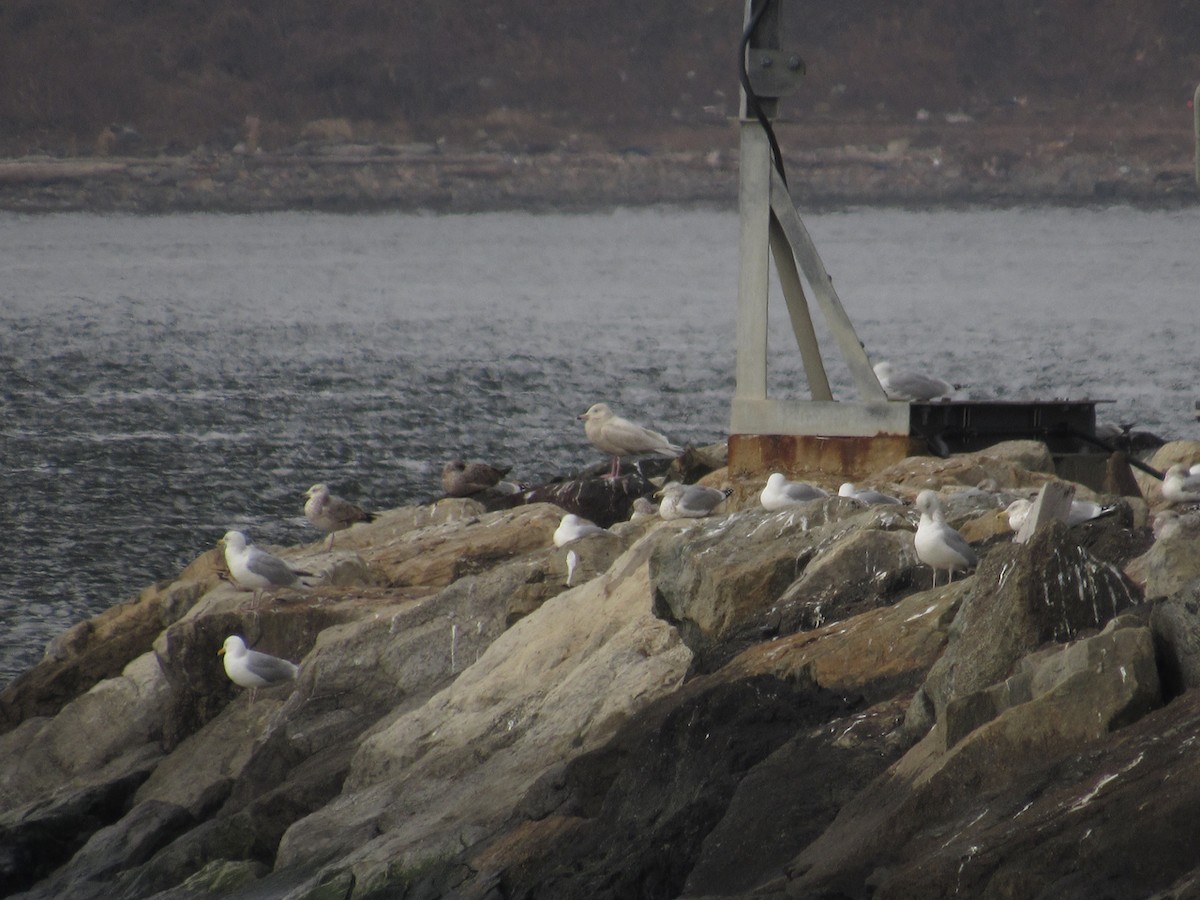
963, 426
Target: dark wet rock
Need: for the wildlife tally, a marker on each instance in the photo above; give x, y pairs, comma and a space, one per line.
37, 838
664, 781
1109, 818
603, 501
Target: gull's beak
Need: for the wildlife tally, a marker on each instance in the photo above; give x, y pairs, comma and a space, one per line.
221, 652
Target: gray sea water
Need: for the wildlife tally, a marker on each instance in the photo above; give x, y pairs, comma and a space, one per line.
163, 379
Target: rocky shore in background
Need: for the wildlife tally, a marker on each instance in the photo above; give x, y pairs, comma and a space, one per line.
892, 166
755, 704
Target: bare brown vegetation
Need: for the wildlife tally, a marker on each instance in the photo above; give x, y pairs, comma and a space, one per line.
175, 75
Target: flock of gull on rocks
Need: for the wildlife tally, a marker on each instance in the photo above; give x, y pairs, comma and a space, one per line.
937, 544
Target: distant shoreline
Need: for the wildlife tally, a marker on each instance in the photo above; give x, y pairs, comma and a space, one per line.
373, 178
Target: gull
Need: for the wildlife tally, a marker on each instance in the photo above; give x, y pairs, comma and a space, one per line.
256, 569
642, 509
937, 544
781, 493
1181, 484
1081, 511
867, 496
688, 501
619, 437
911, 385
462, 479
252, 669
573, 527
331, 513
1169, 523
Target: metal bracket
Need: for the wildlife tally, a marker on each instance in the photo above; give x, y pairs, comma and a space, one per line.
774, 73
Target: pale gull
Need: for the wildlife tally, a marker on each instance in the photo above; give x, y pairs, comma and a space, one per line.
937, 544
1182, 484
911, 385
867, 496
619, 437
462, 479
252, 669
780, 493
1168, 523
572, 527
643, 508
331, 513
255, 569
689, 501
1081, 511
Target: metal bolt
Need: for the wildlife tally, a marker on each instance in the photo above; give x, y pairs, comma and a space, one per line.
795, 62
766, 62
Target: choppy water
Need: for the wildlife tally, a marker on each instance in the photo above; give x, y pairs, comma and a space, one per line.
163, 379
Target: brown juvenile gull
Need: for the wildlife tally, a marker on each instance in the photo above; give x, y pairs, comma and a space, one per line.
255, 569
252, 669
911, 385
331, 513
619, 437
937, 544
461, 479
689, 501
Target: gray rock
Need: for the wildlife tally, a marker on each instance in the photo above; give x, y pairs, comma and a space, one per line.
1023, 596
1175, 621
721, 581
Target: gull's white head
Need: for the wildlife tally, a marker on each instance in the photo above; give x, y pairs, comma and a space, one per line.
234, 646
1017, 512
846, 490
928, 503
883, 369
776, 480
234, 540
597, 411
316, 489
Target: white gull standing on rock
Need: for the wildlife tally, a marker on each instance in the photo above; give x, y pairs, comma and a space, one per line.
937, 544
780, 493
572, 527
331, 513
868, 496
255, 569
689, 501
1181, 484
619, 437
911, 385
252, 669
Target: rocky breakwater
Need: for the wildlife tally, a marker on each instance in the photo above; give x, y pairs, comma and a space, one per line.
752, 704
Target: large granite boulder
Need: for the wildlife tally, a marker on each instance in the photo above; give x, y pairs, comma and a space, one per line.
722, 581
558, 683
1022, 596
886, 840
